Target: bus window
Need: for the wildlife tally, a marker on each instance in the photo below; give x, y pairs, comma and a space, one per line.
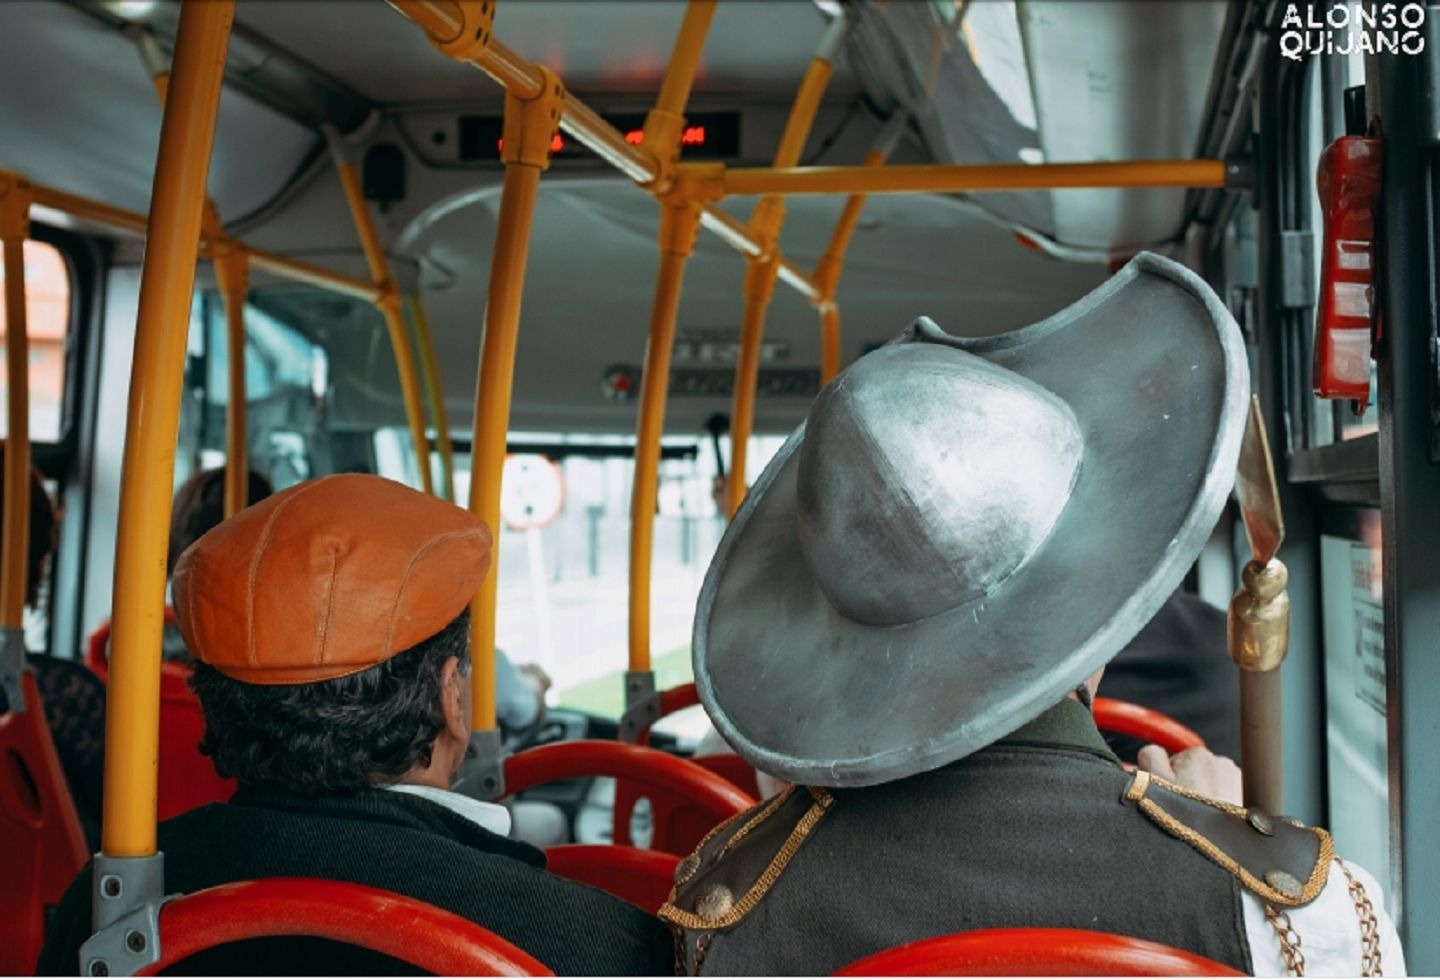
1354, 630
563, 586
47, 310
287, 379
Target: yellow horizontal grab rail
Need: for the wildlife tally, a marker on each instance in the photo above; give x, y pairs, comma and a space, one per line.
446, 24
134, 222
943, 178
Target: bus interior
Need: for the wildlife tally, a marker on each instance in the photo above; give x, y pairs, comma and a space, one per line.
355, 233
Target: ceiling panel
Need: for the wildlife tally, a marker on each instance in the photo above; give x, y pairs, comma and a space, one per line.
80, 114
595, 47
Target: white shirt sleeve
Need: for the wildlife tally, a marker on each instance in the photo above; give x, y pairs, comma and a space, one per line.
1329, 931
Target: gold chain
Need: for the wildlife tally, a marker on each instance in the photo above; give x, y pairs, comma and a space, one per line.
1289, 941
1369, 928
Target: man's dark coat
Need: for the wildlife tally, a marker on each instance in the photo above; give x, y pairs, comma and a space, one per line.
388, 840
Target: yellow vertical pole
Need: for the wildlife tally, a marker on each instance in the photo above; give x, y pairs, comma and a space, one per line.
14, 229
530, 125
828, 268
679, 224
388, 303
167, 281
762, 271
232, 273
829, 342
434, 392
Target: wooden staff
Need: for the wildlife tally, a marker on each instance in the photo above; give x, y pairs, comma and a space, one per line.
1259, 623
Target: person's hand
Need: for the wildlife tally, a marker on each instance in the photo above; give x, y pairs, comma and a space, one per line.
537, 676
1199, 769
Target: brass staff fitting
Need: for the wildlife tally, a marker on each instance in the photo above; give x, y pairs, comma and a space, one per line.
477, 26
1259, 622
16, 197
532, 124
679, 225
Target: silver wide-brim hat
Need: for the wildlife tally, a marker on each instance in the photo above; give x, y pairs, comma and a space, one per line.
964, 529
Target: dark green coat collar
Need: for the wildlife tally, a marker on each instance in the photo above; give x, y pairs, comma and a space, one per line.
1068, 725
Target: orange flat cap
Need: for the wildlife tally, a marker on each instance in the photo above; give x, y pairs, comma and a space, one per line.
327, 578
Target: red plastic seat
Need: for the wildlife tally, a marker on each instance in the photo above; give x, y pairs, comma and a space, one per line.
1035, 953
437, 941
187, 778
678, 824
655, 773
42, 847
1125, 718
641, 877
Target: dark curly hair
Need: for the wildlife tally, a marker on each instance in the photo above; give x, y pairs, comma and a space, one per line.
336, 736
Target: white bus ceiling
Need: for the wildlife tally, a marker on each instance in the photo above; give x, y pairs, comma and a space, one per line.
1008, 87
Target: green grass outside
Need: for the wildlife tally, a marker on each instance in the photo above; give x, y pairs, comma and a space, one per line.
605, 696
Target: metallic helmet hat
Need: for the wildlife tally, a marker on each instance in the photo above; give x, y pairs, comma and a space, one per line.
964, 529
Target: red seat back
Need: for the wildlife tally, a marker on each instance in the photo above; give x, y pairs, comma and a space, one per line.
677, 824
1035, 953
641, 877
439, 942
42, 847
187, 778
653, 774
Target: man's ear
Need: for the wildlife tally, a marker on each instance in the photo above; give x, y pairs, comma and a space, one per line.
453, 687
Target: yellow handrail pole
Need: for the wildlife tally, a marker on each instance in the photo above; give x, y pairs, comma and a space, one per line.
461, 30
679, 225
312, 275
134, 223
958, 178
827, 270
434, 391
528, 129
827, 276
14, 229
232, 275
167, 280
388, 303
762, 272
760, 276
829, 342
